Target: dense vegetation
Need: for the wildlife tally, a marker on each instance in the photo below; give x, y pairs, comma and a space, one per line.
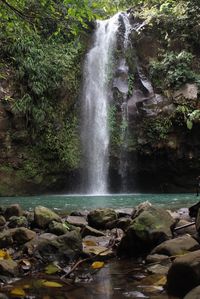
42, 45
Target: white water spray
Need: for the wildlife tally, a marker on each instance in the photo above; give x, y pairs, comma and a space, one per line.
95, 104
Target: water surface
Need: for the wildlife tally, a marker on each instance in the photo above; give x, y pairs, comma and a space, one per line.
88, 202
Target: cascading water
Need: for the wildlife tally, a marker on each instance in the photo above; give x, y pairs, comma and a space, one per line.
124, 110
97, 94
95, 133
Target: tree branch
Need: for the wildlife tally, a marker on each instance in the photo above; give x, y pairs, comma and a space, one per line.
14, 9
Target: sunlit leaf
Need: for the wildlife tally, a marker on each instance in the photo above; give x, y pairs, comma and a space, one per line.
97, 265
89, 243
4, 255
18, 292
161, 282
51, 269
51, 284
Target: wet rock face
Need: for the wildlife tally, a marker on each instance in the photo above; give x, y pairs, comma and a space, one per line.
100, 218
56, 248
43, 216
148, 229
13, 210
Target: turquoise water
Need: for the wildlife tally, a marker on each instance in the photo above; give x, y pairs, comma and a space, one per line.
79, 202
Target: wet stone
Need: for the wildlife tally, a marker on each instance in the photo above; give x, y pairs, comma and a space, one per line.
16, 221
43, 216
2, 221
8, 267
77, 221
13, 210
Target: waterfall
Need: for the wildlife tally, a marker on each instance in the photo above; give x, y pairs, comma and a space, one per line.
95, 133
124, 110
98, 71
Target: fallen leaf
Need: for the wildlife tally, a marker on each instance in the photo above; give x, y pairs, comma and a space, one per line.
161, 282
18, 292
51, 269
51, 284
4, 255
98, 250
89, 243
97, 265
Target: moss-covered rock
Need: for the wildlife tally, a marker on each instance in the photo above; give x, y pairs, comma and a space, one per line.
43, 216
148, 229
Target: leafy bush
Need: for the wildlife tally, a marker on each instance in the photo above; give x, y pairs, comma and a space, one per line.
172, 70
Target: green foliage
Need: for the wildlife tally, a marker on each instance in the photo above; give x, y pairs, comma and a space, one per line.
172, 70
63, 143
190, 116
157, 129
114, 129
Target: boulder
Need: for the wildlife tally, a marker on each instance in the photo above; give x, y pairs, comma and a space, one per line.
8, 267
186, 230
144, 206
58, 228
184, 274
156, 258
22, 235
177, 246
56, 248
2, 221
2, 210
99, 218
43, 216
90, 231
77, 221
16, 221
188, 91
13, 210
123, 223
150, 228
6, 238
193, 294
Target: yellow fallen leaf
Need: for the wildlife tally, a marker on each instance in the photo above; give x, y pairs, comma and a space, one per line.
161, 282
4, 255
97, 265
51, 284
18, 292
51, 269
89, 243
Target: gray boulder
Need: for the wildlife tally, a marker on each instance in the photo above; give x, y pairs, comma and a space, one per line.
77, 221
16, 221
6, 238
184, 274
16, 236
2, 221
13, 210
100, 218
8, 267
22, 235
58, 228
56, 248
193, 294
150, 228
177, 246
90, 231
43, 216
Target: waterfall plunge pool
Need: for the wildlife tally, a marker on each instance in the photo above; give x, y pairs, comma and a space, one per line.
88, 202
